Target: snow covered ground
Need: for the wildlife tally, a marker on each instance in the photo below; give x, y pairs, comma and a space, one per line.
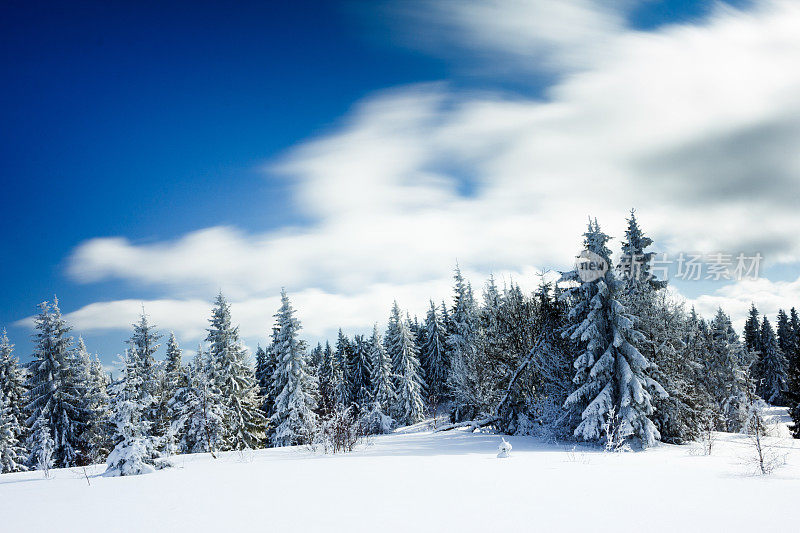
423, 481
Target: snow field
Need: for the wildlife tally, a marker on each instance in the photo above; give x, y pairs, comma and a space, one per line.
422, 481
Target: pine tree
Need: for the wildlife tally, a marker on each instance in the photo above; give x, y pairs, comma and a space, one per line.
383, 395
611, 374
12, 389
421, 338
199, 426
233, 375
785, 333
409, 408
41, 445
341, 379
494, 351
663, 327
462, 340
269, 391
54, 387
535, 400
296, 400
793, 360
359, 372
634, 266
174, 371
327, 386
391, 334
136, 449
12, 454
92, 387
772, 367
665, 330
145, 339
725, 372
265, 367
435, 356
752, 331
173, 380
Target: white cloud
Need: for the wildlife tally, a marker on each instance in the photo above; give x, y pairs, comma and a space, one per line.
694, 125
552, 34
736, 298
321, 313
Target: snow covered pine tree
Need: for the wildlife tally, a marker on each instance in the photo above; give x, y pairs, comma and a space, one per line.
136, 451
232, 374
294, 418
611, 374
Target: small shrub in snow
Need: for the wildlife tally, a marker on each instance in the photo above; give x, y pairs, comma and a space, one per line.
134, 456
339, 433
707, 438
245, 455
764, 458
574, 457
375, 421
504, 450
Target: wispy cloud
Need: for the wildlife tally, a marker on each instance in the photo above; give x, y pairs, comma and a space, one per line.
553, 35
679, 123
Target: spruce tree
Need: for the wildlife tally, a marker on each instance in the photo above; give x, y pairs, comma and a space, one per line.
261, 368
772, 367
793, 360
12, 454
611, 374
495, 357
391, 334
359, 372
264, 371
327, 385
409, 407
174, 371
93, 385
634, 265
199, 426
55, 388
136, 449
725, 372
662, 325
41, 445
294, 419
341, 378
665, 328
382, 394
173, 380
462, 341
435, 356
145, 339
535, 401
12, 389
752, 331
785, 333
266, 378
235, 379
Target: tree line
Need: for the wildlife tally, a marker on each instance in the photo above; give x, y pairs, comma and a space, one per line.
577, 359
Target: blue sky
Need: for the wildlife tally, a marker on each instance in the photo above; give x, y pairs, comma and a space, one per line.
270, 128
150, 120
